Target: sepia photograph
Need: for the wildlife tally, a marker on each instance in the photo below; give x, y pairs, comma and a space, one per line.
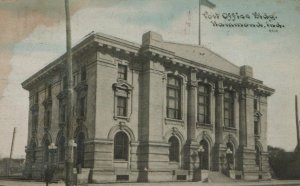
149, 92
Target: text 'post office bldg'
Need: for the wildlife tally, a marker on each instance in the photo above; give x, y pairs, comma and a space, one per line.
156, 111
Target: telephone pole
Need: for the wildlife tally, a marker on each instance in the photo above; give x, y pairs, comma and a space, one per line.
11, 151
69, 119
297, 122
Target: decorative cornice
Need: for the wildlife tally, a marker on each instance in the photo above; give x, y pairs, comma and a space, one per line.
81, 86
63, 94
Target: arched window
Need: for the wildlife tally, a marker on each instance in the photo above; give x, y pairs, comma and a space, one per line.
205, 155
46, 150
257, 157
174, 149
174, 97
80, 149
121, 146
61, 149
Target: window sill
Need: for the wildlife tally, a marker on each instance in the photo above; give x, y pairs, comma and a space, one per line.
230, 129
170, 121
120, 161
121, 118
204, 125
81, 118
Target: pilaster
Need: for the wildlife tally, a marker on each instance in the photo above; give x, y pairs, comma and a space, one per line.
219, 147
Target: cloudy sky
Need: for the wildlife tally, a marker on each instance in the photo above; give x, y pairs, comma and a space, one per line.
33, 35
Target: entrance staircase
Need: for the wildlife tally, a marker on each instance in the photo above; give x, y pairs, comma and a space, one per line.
218, 177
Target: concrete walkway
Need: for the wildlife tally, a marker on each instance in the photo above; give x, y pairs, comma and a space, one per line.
239, 183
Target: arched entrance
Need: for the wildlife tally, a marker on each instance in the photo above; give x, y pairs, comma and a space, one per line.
204, 157
230, 154
258, 157
80, 150
46, 151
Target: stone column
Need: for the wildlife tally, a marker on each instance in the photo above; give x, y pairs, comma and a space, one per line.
219, 147
192, 144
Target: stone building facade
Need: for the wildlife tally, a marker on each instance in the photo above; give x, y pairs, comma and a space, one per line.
149, 112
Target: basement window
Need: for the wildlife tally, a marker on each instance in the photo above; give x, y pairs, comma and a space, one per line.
122, 177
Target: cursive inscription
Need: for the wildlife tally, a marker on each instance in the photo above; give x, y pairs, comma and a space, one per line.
248, 20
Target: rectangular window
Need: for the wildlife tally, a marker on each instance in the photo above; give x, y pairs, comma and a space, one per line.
63, 113
49, 91
173, 97
228, 109
48, 118
82, 106
256, 128
122, 72
83, 73
255, 104
34, 121
65, 82
36, 98
121, 106
203, 104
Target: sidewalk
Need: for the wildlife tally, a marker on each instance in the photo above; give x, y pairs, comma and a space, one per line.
261, 183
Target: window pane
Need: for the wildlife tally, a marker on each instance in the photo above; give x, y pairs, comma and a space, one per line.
174, 149
171, 80
201, 118
122, 72
121, 146
172, 103
171, 92
201, 99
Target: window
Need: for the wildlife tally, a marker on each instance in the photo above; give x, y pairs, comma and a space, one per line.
256, 128
228, 109
36, 98
48, 118
82, 104
83, 73
49, 90
61, 149
34, 121
255, 104
203, 104
173, 97
174, 149
121, 146
65, 82
122, 72
121, 106
62, 112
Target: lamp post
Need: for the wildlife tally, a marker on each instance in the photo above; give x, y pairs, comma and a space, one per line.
228, 157
50, 168
200, 152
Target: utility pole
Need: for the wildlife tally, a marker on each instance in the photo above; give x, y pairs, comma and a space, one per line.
69, 119
11, 151
297, 123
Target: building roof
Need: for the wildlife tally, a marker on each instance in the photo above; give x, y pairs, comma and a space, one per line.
184, 54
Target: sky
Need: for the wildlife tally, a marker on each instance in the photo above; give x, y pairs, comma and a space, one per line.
33, 35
